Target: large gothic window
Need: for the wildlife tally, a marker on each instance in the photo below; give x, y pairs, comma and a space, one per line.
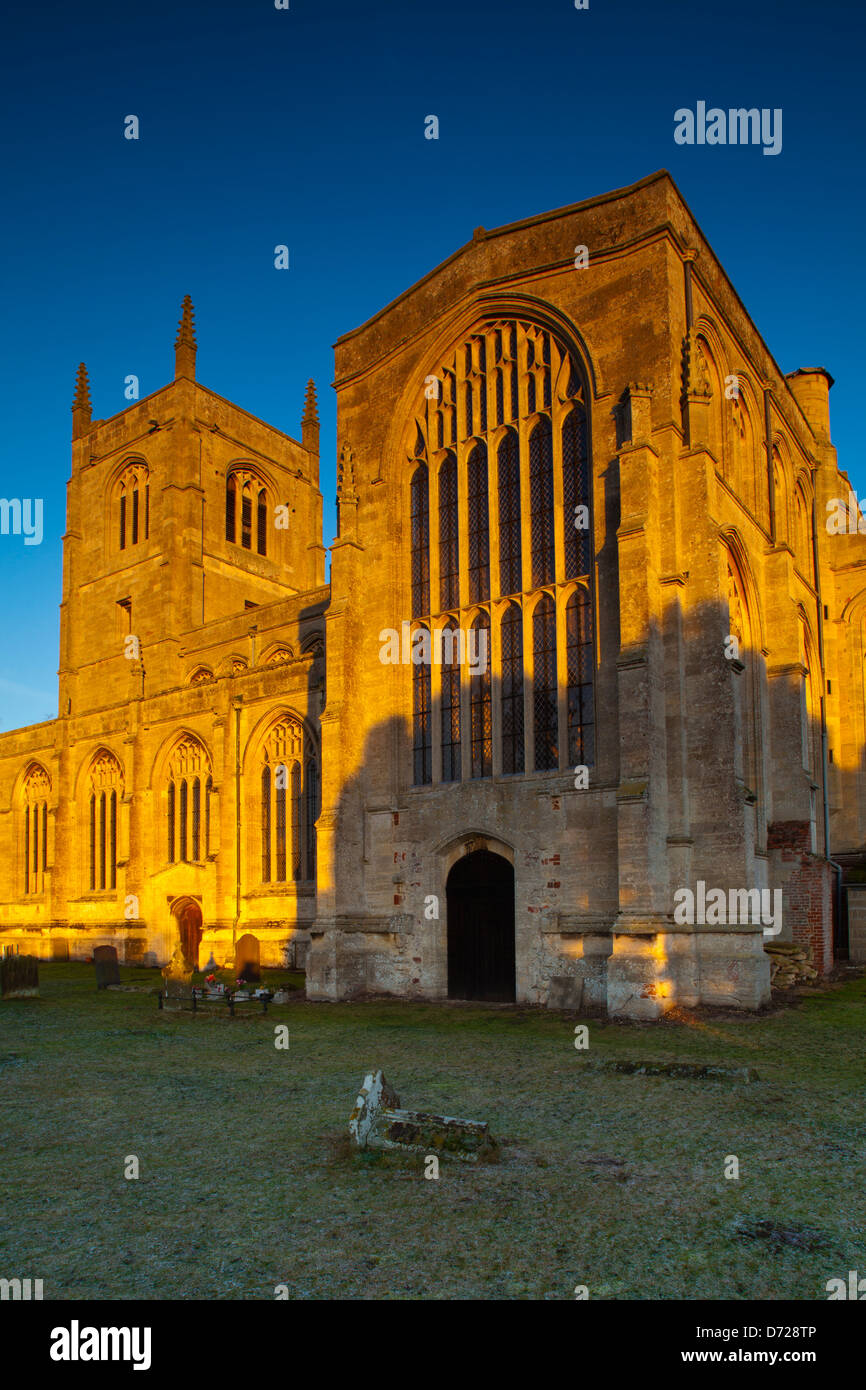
106, 787
247, 502
35, 794
190, 784
502, 426
288, 809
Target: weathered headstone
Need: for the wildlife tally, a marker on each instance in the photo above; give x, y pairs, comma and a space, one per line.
378, 1122
19, 977
105, 961
565, 993
247, 959
178, 982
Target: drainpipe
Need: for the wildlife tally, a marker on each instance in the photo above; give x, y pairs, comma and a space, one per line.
238, 701
825, 776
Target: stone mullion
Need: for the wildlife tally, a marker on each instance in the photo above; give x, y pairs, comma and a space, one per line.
493, 510
463, 598
526, 584
435, 711
560, 600
528, 685
433, 510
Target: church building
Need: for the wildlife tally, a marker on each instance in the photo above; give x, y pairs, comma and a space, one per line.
583, 697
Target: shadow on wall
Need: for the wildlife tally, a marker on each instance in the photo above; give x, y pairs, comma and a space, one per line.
710, 772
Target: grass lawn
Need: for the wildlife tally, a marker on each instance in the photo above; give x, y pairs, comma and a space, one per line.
606, 1179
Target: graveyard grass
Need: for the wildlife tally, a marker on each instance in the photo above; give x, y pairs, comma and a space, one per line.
605, 1179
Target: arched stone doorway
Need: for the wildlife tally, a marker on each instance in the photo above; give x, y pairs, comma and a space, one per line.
189, 922
480, 906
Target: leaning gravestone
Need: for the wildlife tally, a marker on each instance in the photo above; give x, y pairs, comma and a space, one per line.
178, 982
19, 977
378, 1122
105, 960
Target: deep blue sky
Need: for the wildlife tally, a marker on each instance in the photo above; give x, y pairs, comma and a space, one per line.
306, 127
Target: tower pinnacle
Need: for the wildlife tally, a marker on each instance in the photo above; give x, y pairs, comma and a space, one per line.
81, 408
185, 344
310, 420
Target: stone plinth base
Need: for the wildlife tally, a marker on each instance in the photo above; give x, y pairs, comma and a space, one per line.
649, 974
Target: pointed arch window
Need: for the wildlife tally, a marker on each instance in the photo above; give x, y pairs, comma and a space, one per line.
420, 525
544, 693
511, 644
35, 793
106, 787
247, 504
189, 770
281, 823
133, 491
512, 398
262, 522
479, 702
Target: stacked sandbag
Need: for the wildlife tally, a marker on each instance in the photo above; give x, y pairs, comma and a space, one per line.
790, 964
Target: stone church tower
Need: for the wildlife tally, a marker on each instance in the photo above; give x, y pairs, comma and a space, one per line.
175, 796
568, 445
595, 634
